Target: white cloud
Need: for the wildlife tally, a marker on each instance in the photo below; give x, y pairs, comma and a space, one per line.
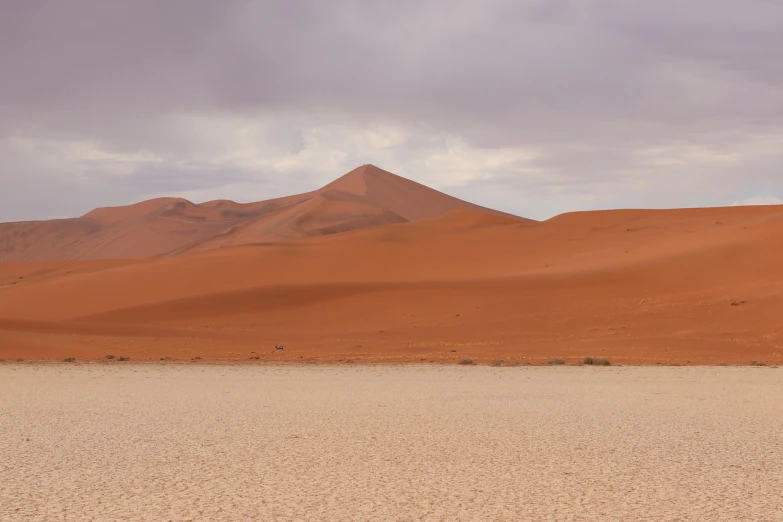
758, 201
260, 156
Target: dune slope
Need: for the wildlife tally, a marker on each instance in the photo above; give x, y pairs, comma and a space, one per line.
365, 197
636, 286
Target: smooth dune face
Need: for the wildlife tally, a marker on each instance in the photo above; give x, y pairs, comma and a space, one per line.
229, 442
392, 271
684, 286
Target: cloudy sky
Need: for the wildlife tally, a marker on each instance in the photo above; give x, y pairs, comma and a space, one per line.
535, 107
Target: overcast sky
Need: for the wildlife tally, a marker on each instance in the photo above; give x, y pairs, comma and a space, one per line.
534, 107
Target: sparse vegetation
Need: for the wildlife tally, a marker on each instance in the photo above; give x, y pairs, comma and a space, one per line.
197, 358
596, 361
556, 362
69, 359
110, 356
466, 362
124, 359
758, 363
737, 303
498, 362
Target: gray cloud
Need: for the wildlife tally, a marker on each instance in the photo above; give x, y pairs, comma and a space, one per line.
537, 107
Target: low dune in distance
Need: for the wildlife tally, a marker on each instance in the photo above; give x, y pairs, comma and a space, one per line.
698, 286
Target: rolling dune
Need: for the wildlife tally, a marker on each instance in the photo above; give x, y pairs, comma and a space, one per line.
635, 286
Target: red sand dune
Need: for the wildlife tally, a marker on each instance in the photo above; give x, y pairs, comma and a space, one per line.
635, 286
365, 197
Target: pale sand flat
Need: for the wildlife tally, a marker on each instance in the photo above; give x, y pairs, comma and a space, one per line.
222, 442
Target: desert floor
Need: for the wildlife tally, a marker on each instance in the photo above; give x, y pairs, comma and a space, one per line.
138, 441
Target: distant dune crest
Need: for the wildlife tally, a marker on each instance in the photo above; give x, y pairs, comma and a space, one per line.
365, 197
374, 267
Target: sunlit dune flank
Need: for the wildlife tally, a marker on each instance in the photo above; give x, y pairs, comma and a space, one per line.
363, 270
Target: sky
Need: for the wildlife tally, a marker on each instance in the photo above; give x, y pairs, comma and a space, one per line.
534, 107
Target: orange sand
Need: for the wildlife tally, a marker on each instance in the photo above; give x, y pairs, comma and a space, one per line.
635, 286
365, 197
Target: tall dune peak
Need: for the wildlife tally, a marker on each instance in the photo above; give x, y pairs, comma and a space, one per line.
355, 181
365, 197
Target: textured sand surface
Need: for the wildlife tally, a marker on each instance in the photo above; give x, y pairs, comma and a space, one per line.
230, 442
